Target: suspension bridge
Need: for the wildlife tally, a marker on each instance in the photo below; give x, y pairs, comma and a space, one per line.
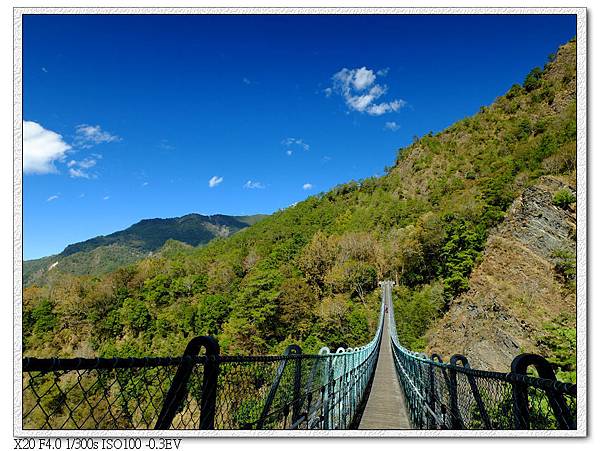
380, 385
386, 407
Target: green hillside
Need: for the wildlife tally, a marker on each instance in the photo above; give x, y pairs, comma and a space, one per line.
308, 274
104, 254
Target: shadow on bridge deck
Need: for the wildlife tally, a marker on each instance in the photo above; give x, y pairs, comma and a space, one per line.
386, 406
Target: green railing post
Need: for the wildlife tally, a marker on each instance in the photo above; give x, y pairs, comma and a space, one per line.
431, 397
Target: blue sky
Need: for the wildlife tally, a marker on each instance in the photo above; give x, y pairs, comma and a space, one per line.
132, 117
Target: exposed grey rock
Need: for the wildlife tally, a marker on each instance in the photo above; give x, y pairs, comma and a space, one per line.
538, 224
499, 317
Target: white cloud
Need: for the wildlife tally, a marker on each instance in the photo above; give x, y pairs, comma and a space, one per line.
87, 136
44, 70
78, 169
362, 78
294, 142
106, 198
41, 148
246, 81
253, 185
87, 163
145, 184
78, 173
214, 181
385, 107
51, 198
307, 186
361, 93
289, 152
393, 126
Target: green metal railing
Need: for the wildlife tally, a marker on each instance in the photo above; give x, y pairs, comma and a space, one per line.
454, 396
201, 390
206, 390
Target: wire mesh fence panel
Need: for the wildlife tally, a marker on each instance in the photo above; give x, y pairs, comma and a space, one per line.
247, 397
189, 412
251, 392
95, 398
204, 390
445, 396
242, 390
540, 412
260, 392
454, 396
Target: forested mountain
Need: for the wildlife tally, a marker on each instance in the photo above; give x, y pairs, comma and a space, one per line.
103, 254
308, 274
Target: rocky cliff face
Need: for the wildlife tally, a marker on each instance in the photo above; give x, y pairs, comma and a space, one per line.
516, 290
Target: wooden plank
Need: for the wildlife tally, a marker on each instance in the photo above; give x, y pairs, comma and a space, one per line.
386, 406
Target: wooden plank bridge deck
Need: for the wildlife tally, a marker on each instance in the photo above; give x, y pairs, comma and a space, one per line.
386, 406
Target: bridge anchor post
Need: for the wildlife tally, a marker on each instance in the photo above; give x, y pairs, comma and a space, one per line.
179, 386
520, 395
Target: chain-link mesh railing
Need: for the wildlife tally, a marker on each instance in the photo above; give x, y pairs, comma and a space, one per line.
454, 396
94, 393
201, 390
204, 390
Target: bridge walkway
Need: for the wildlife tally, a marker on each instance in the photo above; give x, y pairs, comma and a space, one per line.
386, 406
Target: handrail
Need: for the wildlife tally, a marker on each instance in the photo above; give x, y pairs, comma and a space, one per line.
447, 395
202, 391
314, 391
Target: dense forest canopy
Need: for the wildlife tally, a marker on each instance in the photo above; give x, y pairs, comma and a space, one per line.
308, 274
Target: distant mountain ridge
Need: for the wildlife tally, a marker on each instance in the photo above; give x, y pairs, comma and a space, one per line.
150, 234
105, 253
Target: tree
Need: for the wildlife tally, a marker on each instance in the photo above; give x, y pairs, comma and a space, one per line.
250, 260
533, 79
135, 315
254, 322
333, 313
463, 245
211, 312
407, 255
156, 290
317, 257
415, 310
360, 246
296, 303
547, 147
354, 277
43, 317
221, 276
514, 91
